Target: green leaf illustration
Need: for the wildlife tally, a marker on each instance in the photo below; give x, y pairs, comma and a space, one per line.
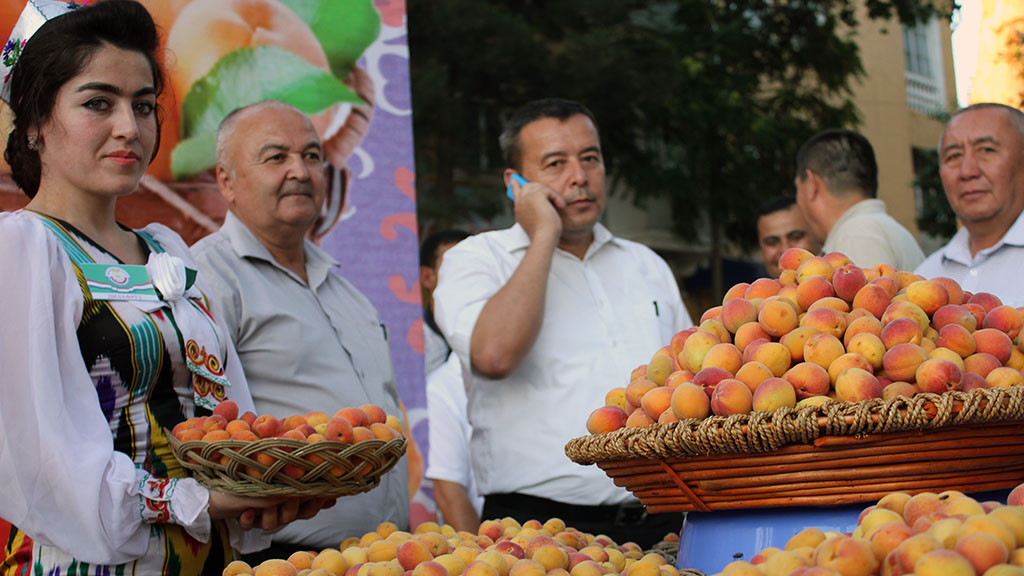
242, 77
345, 28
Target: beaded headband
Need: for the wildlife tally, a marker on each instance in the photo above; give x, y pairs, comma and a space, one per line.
35, 14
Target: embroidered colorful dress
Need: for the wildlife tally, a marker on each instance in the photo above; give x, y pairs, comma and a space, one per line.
86, 388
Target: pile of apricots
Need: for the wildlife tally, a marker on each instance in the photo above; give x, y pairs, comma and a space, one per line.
825, 330
499, 548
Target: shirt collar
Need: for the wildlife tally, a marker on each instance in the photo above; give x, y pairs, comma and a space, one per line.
247, 245
517, 239
959, 250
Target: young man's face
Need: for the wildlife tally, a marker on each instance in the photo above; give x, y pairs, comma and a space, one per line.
780, 231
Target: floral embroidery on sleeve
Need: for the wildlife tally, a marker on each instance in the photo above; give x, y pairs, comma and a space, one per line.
155, 498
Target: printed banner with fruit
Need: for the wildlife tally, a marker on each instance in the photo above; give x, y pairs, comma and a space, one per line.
345, 63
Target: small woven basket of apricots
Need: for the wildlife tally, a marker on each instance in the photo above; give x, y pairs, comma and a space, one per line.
832, 385
311, 455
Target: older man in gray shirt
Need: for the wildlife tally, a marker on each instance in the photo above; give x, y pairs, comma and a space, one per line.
307, 339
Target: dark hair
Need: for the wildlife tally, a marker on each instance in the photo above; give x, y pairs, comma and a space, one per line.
432, 244
776, 204
55, 54
842, 158
546, 108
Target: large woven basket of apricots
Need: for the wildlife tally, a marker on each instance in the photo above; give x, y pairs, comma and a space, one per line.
832, 385
311, 455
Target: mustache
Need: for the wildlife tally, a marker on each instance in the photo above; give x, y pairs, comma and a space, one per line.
581, 194
302, 188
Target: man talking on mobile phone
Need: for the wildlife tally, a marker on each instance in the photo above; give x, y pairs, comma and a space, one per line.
547, 317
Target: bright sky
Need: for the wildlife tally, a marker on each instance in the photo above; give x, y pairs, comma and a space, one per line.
965, 46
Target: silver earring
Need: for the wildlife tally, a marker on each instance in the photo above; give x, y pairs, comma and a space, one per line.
33, 142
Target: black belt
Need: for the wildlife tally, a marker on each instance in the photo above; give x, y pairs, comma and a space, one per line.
620, 514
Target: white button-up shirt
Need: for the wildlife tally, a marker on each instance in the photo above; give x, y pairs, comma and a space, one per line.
998, 269
604, 315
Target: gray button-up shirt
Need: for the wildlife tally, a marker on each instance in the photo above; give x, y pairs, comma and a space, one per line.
304, 347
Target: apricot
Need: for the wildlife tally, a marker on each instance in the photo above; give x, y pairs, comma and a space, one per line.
792, 258
266, 426
275, 567
731, 397
753, 374
948, 355
954, 314
795, 341
696, 346
709, 377
814, 266
762, 288
928, 295
1001, 377
873, 298
227, 409
374, 412
902, 360
736, 291
677, 341
636, 389
777, 317
384, 432
747, 333
725, 356
848, 360
772, 394
832, 302
329, 559
656, 401
811, 289
826, 320
690, 401
847, 281
355, 416
737, 312
606, 419
957, 338
676, 378
856, 384
822, 349
808, 379
237, 568
906, 309
901, 331
710, 314
293, 422
994, 342
638, 419
868, 346
981, 363
937, 375
985, 300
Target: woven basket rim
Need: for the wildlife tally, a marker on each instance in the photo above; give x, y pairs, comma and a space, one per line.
362, 465
769, 431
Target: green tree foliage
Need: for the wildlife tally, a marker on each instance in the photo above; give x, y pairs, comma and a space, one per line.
703, 101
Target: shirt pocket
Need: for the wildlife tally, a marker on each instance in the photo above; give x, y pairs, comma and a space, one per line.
649, 326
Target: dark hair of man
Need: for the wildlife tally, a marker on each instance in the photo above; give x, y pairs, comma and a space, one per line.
432, 244
843, 159
776, 204
55, 54
556, 108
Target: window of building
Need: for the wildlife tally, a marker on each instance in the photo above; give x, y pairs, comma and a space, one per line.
926, 86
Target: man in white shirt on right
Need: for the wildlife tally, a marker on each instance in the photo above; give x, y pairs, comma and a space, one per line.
981, 162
